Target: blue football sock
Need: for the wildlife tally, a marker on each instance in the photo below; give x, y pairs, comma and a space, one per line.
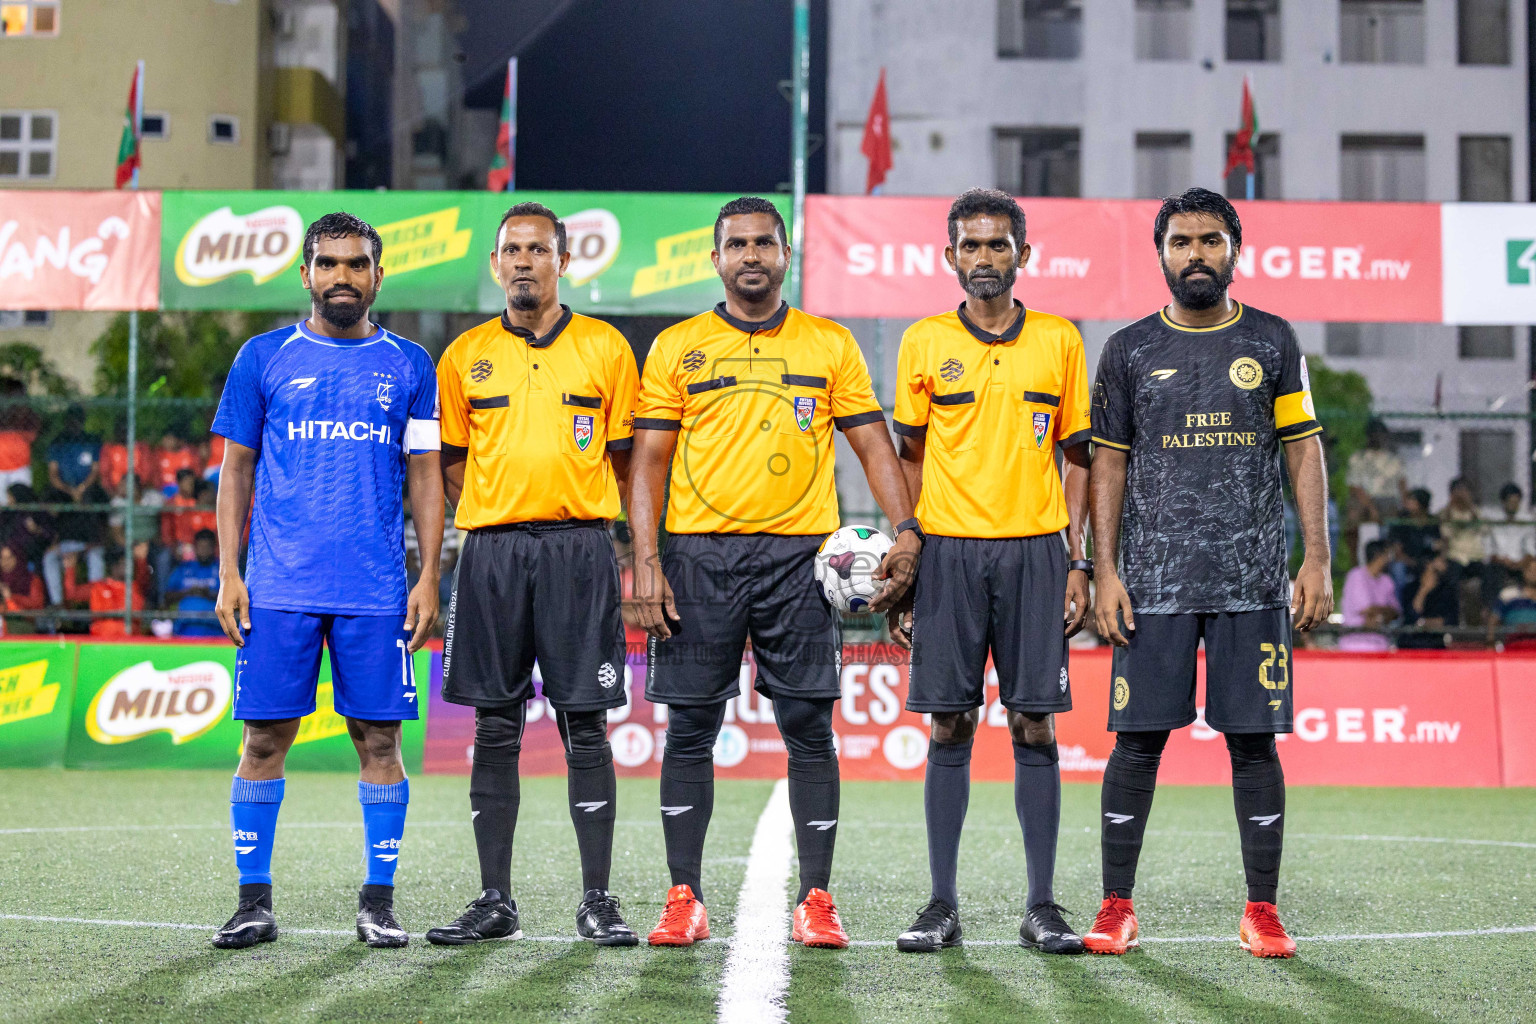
383, 827
253, 807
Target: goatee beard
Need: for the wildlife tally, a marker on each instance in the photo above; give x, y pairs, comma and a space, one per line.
524, 301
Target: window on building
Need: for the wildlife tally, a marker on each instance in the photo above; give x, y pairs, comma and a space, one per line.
1485, 341
1382, 167
1253, 29
1482, 31
1487, 461
1486, 169
1164, 165
1266, 169
1365, 341
155, 126
1163, 29
223, 129
1038, 161
11, 318
28, 144
1381, 31
1040, 29
29, 18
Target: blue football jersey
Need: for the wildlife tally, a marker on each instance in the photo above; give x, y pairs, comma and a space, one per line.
333, 421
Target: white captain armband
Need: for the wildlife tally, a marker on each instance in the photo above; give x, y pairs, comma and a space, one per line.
422, 436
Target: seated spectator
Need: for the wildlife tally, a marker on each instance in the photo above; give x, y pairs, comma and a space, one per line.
20, 590
18, 430
194, 587
1370, 601
1461, 521
173, 456
1435, 606
1374, 477
146, 532
114, 463
77, 532
173, 530
214, 461
1509, 542
1415, 538
29, 534
106, 594
74, 459
1516, 613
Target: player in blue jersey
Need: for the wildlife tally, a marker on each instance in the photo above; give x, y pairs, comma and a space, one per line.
325, 421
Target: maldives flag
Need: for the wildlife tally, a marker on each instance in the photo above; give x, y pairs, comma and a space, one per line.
1241, 153
499, 177
128, 146
877, 138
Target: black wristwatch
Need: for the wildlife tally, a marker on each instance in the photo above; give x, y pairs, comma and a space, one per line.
913, 525
1083, 564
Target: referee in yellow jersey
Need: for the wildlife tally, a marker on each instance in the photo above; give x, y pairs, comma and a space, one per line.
742, 401
985, 396
538, 413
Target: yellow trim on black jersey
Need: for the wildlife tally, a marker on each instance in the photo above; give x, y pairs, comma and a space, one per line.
1201, 330
1305, 433
1111, 444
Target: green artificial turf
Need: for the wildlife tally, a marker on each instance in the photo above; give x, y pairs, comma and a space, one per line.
154, 847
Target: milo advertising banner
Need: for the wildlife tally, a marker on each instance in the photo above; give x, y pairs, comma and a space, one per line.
631, 252
37, 682
168, 706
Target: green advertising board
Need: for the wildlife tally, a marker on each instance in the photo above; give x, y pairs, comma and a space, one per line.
37, 683
631, 252
168, 706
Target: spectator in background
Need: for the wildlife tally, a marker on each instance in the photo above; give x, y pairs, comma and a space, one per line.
1415, 538
194, 586
173, 456
1516, 612
18, 430
77, 532
29, 534
20, 590
114, 463
1370, 601
1377, 487
1435, 604
176, 529
146, 530
74, 461
214, 460
1508, 542
1461, 523
106, 594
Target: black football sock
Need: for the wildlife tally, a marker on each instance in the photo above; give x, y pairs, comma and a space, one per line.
1037, 801
1258, 792
494, 793
256, 892
814, 794
1130, 779
593, 791
946, 795
687, 801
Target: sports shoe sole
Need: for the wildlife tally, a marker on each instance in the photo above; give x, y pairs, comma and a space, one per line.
269, 937
1112, 952
631, 940
926, 947
1248, 948
470, 942
1052, 952
383, 943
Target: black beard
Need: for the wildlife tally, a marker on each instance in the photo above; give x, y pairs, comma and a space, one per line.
1201, 291
523, 300
757, 293
988, 288
342, 315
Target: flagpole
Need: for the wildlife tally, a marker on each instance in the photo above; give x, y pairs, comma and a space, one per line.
511, 124
133, 373
1250, 186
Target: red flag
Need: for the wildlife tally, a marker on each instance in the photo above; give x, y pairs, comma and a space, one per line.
128, 145
1241, 153
877, 138
499, 177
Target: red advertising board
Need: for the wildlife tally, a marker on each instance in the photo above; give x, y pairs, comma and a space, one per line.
79, 250
877, 256
1361, 720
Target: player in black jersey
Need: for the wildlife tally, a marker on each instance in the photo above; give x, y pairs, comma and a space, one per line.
1191, 409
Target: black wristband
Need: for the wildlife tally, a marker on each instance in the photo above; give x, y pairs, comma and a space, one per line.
1081, 564
913, 525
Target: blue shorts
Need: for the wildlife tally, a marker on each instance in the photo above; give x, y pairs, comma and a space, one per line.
371, 666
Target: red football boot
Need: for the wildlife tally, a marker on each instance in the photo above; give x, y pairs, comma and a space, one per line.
683, 920
817, 923
1261, 932
1114, 929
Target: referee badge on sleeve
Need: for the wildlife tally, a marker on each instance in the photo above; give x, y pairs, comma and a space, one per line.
581, 429
1042, 427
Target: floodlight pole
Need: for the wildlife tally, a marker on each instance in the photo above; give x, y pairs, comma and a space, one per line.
133, 390
800, 104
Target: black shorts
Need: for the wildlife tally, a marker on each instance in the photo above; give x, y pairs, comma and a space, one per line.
1005, 594
1247, 672
536, 590
729, 587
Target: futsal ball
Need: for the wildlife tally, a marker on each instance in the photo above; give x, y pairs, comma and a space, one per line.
846, 564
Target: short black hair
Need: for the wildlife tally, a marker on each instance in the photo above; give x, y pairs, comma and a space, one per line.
533, 210
1198, 200
185, 471
976, 202
1374, 550
1510, 488
207, 535
1460, 481
751, 204
341, 225
1422, 496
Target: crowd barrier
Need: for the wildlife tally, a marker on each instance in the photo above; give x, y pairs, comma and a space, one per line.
1404, 719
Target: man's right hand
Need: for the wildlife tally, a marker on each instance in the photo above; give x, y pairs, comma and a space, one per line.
653, 599
234, 608
1112, 601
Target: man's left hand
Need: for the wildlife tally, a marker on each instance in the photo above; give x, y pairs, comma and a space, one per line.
421, 612
1075, 612
1312, 600
899, 569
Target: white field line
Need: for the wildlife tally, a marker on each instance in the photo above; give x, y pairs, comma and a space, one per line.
1358, 937
756, 974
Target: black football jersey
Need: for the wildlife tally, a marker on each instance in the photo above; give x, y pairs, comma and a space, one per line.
1201, 413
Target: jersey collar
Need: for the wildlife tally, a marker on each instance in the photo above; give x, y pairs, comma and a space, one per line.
1163, 315
538, 342
988, 338
753, 326
377, 335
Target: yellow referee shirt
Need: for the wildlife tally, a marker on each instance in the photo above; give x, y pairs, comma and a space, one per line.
538, 416
992, 408
755, 404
